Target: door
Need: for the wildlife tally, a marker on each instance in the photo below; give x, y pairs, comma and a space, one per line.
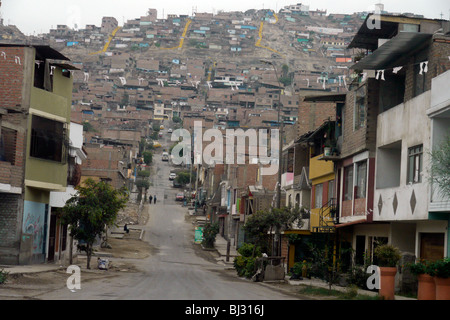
431, 246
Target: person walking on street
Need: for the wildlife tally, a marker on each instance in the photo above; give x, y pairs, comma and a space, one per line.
154, 198
151, 198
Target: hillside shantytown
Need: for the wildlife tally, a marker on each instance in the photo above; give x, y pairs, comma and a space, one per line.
361, 112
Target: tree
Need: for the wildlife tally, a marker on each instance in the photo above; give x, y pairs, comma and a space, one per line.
184, 178
209, 234
88, 127
440, 166
148, 157
94, 207
261, 224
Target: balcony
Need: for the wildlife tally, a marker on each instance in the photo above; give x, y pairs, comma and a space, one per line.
328, 217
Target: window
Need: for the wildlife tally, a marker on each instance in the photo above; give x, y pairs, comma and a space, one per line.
8, 141
415, 164
330, 190
43, 77
318, 195
348, 183
361, 177
47, 137
360, 107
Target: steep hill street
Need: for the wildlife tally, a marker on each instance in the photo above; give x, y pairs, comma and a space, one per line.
171, 266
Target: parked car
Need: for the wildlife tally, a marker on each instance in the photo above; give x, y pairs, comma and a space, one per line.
172, 176
179, 196
176, 184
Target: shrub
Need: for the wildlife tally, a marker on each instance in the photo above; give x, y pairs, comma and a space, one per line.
297, 268
358, 277
440, 268
418, 268
245, 264
248, 250
387, 255
3, 276
209, 234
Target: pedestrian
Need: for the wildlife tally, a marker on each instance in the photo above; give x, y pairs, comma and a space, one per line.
154, 198
151, 198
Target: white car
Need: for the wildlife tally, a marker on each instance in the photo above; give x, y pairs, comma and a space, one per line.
172, 176
169, 131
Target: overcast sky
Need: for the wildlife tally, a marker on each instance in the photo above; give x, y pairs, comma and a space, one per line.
40, 15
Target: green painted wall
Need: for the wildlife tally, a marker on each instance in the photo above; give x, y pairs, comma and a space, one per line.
58, 103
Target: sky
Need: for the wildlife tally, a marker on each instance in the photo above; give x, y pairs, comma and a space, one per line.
38, 16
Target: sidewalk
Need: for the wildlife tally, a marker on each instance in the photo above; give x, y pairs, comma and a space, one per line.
33, 268
221, 247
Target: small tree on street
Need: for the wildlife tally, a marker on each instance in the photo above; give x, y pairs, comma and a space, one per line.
90, 211
440, 166
260, 225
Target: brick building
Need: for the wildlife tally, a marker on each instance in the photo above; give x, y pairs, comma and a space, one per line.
35, 99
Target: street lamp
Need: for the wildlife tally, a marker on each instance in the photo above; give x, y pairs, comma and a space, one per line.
278, 203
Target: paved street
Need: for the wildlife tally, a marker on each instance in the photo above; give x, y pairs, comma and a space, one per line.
173, 271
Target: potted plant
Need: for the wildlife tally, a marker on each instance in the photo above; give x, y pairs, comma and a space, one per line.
440, 270
426, 287
388, 256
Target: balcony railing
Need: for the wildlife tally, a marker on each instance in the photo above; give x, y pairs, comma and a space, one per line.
328, 217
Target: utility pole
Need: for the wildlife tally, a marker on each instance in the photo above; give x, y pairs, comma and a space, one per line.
277, 242
281, 124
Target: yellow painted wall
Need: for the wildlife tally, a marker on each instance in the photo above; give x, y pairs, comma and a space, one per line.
320, 171
320, 168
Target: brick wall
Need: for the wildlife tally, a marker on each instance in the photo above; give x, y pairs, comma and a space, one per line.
9, 207
438, 63
311, 115
360, 139
11, 80
14, 139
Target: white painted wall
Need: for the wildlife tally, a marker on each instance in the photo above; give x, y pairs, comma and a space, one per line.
439, 113
408, 123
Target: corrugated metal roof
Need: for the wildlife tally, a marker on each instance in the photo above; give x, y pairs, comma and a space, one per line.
394, 52
42, 51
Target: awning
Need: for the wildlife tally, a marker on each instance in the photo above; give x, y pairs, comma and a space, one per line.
368, 35
394, 52
326, 98
42, 51
63, 65
350, 223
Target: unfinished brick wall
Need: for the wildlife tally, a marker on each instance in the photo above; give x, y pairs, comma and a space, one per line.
312, 115
438, 63
364, 138
9, 206
438, 57
11, 79
14, 141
